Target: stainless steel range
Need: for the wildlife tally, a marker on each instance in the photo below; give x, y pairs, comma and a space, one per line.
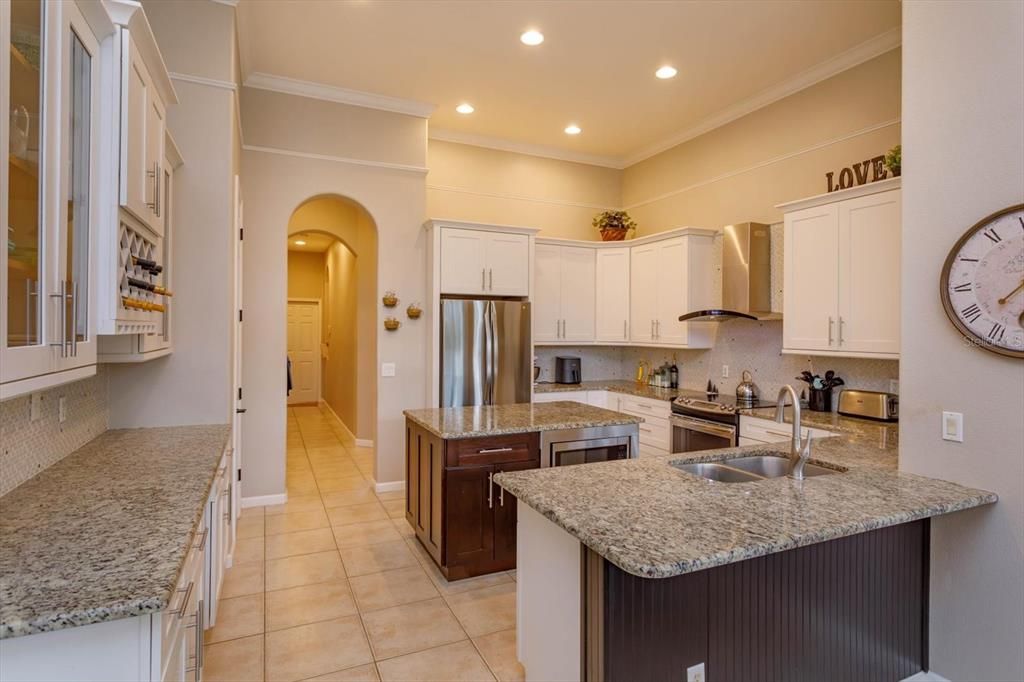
705, 422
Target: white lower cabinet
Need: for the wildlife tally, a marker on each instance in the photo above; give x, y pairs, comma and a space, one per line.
575, 396
754, 430
655, 431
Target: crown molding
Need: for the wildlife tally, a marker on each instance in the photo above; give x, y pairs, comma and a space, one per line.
869, 49
505, 145
405, 168
331, 93
229, 3
203, 80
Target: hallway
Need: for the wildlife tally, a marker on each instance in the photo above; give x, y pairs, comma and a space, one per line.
333, 585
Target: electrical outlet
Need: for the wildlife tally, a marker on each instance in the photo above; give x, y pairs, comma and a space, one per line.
35, 409
695, 673
725, 371
953, 426
62, 409
387, 369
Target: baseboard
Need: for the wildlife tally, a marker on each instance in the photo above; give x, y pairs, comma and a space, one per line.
389, 486
264, 500
361, 442
925, 676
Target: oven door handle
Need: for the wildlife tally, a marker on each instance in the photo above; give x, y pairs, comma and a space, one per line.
703, 426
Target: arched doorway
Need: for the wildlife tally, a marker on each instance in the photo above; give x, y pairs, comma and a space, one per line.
332, 287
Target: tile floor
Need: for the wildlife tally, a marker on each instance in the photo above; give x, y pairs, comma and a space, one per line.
333, 585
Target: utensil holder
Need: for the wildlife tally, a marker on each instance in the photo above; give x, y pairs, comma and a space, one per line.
819, 400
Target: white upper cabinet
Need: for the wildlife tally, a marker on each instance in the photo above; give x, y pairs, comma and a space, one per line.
49, 141
478, 262
842, 273
612, 290
669, 278
564, 303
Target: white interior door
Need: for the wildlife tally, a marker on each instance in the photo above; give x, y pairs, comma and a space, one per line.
304, 351
234, 503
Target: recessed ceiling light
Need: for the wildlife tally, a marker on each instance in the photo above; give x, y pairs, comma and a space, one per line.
573, 129
300, 242
666, 72
532, 38
465, 108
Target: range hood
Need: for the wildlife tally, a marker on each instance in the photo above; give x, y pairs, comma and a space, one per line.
746, 277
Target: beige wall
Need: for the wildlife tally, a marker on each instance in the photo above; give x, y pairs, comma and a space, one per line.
275, 182
963, 158
492, 186
740, 171
193, 385
305, 274
340, 379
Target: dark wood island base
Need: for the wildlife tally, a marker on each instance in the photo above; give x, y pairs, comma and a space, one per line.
850, 609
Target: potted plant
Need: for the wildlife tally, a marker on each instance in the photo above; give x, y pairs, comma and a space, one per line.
614, 225
893, 157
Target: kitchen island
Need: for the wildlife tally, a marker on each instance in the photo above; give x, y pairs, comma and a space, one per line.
465, 522
825, 578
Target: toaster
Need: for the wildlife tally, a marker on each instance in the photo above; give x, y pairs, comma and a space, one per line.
567, 370
870, 404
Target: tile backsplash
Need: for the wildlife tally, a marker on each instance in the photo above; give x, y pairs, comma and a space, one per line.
740, 344
28, 447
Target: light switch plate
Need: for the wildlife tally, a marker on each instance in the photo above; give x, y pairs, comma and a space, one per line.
62, 409
387, 369
725, 371
695, 673
953, 426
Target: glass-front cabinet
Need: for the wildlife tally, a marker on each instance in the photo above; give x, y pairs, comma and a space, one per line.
49, 93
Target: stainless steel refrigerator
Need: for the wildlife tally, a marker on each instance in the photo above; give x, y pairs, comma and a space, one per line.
485, 352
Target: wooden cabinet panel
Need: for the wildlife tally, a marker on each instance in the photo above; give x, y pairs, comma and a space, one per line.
469, 515
612, 289
424, 465
505, 516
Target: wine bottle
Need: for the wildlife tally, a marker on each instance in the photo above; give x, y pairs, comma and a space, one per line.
148, 286
147, 264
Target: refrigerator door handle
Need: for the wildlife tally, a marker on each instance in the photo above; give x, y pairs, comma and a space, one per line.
488, 342
494, 348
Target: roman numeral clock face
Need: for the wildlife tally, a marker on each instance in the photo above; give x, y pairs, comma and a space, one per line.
982, 283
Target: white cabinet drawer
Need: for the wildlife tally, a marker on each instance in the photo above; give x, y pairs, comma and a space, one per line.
656, 433
650, 451
768, 431
645, 407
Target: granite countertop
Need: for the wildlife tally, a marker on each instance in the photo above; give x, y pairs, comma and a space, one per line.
655, 521
618, 386
493, 420
103, 533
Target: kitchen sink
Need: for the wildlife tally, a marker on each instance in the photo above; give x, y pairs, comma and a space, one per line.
747, 469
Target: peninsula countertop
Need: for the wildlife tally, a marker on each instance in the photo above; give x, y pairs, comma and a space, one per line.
492, 420
103, 533
655, 521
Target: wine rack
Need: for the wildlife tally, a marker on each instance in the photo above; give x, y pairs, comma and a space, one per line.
139, 309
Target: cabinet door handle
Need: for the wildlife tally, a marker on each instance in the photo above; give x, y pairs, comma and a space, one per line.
487, 451
652, 329
501, 496
490, 490
180, 611
156, 184
483, 279
62, 299
490, 278
625, 330
840, 330
153, 174
830, 323
646, 430
74, 319
202, 539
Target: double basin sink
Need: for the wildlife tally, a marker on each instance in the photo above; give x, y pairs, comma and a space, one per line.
747, 469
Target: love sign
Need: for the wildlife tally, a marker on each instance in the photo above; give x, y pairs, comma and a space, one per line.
869, 170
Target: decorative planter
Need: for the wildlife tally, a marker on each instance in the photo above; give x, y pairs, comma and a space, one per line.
611, 235
414, 312
390, 299
391, 324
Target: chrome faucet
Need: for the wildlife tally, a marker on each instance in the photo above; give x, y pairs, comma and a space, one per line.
800, 448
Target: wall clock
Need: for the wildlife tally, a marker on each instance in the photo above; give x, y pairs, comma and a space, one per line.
982, 284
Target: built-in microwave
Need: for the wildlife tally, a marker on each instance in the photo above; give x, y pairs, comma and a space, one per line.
566, 447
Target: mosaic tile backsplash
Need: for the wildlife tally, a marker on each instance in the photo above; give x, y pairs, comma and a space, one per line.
28, 447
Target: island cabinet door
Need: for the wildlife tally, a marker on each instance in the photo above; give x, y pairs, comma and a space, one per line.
505, 516
424, 462
469, 515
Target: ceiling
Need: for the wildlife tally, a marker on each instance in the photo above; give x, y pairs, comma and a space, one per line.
316, 242
595, 67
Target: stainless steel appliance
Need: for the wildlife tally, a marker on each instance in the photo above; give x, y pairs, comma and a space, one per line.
565, 447
568, 370
870, 404
746, 276
702, 422
747, 392
485, 352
